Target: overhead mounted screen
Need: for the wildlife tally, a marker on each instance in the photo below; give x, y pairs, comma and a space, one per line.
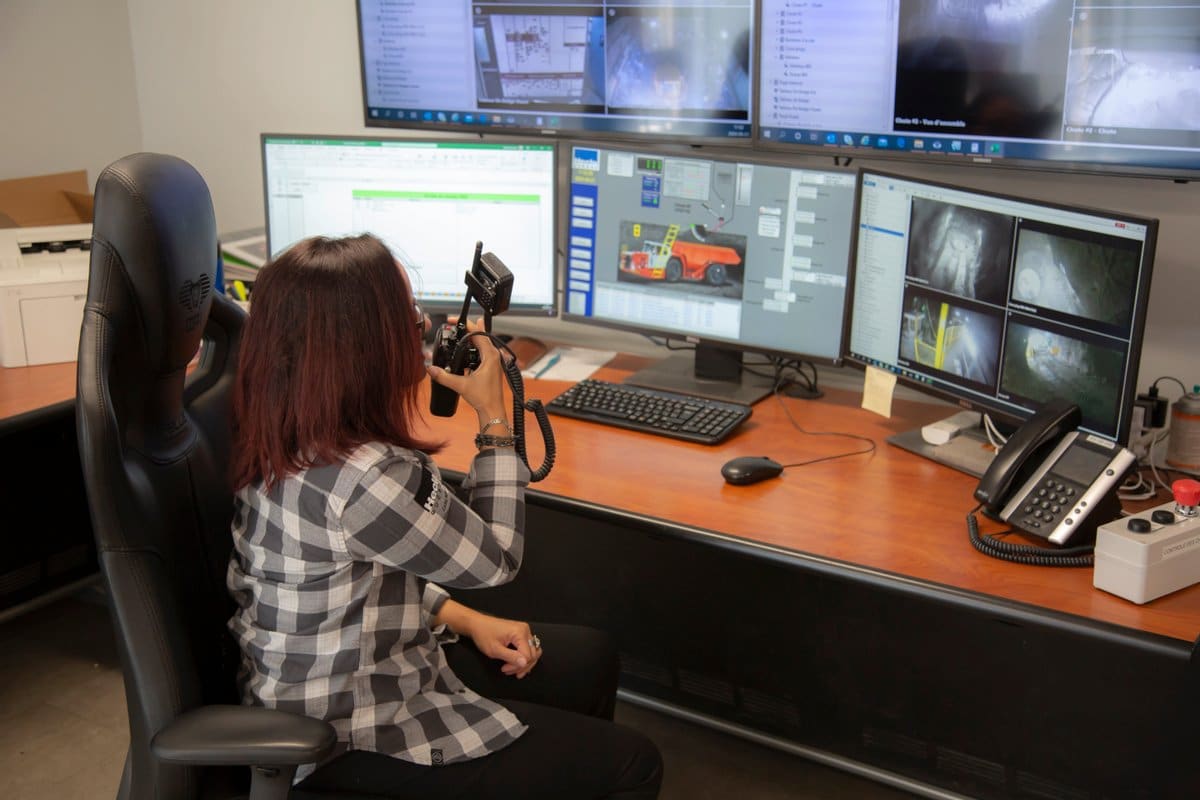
667, 68
1111, 87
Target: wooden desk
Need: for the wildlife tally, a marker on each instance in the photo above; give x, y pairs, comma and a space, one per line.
25, 389
48, 547
891, 511
920, 504
839, 611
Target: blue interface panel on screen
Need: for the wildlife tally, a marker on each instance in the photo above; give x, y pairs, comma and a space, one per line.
1107, 87
1001, 303
740, 253
429, 201
663, 68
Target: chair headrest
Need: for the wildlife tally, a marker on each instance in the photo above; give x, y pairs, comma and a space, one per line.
154, 217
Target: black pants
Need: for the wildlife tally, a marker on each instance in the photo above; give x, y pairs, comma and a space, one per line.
571, 750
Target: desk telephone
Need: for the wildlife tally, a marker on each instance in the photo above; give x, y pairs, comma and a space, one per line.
1052, 481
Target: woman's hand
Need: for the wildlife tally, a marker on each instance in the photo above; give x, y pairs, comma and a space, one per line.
482, 388
505, 640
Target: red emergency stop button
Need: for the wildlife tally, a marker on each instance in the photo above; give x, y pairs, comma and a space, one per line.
1187, 491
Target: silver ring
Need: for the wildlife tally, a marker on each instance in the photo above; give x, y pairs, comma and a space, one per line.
535, 643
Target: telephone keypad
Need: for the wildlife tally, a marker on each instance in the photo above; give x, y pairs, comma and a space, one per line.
1049, 504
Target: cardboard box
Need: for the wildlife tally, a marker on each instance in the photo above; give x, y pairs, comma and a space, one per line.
59, 199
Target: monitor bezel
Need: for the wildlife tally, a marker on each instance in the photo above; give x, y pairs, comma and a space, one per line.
998, 412
735, 156
439, 307
935, 160
746, 142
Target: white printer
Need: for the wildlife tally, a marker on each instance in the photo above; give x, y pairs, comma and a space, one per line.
43, 288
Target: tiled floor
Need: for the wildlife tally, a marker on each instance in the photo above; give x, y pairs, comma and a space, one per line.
63, 734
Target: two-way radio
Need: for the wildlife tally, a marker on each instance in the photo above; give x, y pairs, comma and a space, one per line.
490, 284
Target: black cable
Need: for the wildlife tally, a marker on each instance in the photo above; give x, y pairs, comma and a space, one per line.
1024, 553
864, 451
512, 372
753, 369
799, 382
1182, 388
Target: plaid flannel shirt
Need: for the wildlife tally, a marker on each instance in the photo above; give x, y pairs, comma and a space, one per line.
333, 571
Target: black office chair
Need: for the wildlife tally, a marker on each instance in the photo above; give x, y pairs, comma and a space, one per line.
154, 442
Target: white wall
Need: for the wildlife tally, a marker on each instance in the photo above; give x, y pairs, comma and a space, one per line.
212, 76
68, 98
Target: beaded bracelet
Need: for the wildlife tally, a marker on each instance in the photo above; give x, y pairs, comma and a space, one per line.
483, 440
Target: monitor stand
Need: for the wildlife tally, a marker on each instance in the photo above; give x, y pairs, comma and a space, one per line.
969, 452
713, 372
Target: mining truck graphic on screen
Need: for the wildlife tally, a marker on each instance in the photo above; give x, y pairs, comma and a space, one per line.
673, 260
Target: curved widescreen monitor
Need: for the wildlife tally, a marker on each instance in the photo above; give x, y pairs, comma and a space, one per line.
742, 254
428, 200
673, 68
1045, 83
1000, 303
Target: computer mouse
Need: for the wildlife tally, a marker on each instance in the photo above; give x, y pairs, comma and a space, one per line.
750, 469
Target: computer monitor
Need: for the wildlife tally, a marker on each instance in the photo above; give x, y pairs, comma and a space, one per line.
429, 200
669, 68
733, 254
1000, 303
1047, 84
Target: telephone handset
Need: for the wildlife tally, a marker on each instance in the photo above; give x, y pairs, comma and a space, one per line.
1024, 451
1055, 482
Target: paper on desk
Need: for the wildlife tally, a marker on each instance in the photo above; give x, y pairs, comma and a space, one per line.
878, 387
244, 257
250, 251
568, 363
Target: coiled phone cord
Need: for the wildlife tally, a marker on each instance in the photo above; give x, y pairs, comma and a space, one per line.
520, 406
512, 372
1024, 553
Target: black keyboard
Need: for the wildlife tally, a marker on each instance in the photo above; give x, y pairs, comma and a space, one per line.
680, 416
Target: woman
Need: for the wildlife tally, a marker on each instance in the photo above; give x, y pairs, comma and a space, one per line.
343, 531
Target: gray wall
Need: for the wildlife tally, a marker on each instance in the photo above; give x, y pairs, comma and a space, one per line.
68, 92
205, 79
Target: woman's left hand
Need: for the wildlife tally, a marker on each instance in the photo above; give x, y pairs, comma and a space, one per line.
507, 640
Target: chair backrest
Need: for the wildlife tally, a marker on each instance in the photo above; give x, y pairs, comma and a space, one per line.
154, 439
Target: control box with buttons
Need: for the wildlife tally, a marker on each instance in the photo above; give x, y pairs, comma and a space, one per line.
1152, 553
1073, 491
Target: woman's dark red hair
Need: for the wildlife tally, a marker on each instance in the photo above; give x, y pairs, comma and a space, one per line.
330, 359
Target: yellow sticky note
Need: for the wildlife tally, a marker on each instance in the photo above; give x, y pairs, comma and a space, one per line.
878, 387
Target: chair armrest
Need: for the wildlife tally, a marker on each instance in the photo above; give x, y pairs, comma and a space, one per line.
231, 735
